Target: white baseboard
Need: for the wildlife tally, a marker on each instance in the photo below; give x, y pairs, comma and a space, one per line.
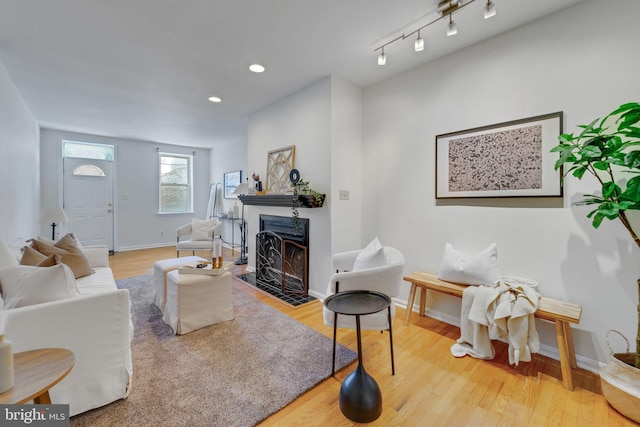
150, 246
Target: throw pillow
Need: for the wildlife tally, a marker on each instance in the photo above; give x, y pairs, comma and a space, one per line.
7, 259
31, 257
371, 256
203, 229
479, 269
70, 254
24, 285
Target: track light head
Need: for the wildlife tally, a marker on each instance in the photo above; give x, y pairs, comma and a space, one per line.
382, 58
489, 9
452, 28
419, 44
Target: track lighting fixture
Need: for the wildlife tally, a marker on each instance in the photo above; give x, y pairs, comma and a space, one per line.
419, 44
452, 28
382, 58
489, 9
446, 9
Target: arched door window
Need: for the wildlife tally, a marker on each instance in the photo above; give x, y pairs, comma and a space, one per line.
88, 170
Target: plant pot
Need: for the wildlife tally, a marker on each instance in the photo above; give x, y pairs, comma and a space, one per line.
620, 381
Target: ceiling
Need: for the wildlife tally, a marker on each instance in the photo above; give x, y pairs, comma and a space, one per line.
143, 69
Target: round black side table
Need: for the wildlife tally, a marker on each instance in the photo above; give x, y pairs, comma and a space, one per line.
360, 396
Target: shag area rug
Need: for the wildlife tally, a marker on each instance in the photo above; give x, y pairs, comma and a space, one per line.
234, 373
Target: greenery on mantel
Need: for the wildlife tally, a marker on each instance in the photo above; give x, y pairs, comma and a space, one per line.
300, 190
608, 150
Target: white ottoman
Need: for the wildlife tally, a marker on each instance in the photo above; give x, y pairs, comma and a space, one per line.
197, 300
160, 270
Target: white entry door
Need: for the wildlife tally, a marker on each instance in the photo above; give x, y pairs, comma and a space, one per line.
88, 200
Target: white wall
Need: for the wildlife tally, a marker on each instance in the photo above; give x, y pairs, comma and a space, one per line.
346, 165
582, 61
19, 165
137, 222
228, 157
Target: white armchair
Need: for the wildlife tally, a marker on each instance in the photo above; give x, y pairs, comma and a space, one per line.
386, 279
201, 235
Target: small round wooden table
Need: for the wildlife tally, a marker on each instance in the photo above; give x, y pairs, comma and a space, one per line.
35, 372
360, 396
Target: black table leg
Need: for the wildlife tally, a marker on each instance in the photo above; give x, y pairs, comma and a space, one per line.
360, 396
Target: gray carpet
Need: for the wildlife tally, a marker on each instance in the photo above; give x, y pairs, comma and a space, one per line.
235, 373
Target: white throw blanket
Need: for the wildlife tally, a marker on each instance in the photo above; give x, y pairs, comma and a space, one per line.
504, 311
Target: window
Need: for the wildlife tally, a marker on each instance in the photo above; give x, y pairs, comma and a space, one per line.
88, 170
87, 150
176, 183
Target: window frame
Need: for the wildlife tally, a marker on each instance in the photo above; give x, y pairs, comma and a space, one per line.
189, 185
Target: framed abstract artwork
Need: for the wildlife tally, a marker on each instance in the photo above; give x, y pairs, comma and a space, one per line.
231, 182
510, 159
279, 165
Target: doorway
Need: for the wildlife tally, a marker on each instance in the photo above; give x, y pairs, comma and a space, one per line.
88, 191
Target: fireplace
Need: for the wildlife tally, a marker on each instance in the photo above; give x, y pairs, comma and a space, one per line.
282, 254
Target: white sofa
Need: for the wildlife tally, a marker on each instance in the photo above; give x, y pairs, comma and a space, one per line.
96, 325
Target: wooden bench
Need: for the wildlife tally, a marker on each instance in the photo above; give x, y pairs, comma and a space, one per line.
560, 312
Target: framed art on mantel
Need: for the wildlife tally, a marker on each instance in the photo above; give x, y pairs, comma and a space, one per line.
279, 165
510, 159
231, 182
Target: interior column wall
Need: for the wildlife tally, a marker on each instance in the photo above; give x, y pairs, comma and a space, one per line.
19, 165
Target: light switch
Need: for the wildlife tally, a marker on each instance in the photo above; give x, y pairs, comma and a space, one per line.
344, 194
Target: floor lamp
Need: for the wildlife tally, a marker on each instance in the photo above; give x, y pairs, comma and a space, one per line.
54, 216
242, 189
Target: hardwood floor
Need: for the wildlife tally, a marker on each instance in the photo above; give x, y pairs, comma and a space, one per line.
430, 387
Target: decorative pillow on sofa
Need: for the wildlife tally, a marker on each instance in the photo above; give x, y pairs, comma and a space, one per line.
70, 253
202, 229
7, 259
479, 269
371, 256
24, 285
32, 257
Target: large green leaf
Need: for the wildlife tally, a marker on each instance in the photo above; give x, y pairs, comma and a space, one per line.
610, 189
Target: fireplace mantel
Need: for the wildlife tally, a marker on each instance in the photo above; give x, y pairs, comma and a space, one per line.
281, 200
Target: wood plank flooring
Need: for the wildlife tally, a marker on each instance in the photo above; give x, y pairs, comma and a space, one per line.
431, 387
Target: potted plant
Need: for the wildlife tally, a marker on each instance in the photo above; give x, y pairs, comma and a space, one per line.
608, 149
304, 195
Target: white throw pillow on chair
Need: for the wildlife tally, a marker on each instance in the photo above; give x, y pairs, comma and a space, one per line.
202, 229
371, 256
478, 269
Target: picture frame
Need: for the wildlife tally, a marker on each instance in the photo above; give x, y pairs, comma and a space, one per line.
279, 165
509, 159
231, 181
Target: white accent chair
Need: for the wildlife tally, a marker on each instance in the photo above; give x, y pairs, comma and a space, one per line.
201, 233
386, 279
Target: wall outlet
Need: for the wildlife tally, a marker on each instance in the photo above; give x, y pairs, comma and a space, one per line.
344, 194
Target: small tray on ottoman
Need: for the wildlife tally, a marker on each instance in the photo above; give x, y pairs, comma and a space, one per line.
192, 269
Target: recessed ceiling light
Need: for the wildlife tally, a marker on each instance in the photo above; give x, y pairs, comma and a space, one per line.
256, 68
215, 99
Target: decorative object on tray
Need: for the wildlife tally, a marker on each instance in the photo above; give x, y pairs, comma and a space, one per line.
205, 267
303, 195
231, 181
279, 164
510, 159
607, 149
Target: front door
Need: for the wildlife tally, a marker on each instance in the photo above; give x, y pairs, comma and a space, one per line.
88, 200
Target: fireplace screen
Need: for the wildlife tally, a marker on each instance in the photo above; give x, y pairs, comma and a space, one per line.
282, 256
